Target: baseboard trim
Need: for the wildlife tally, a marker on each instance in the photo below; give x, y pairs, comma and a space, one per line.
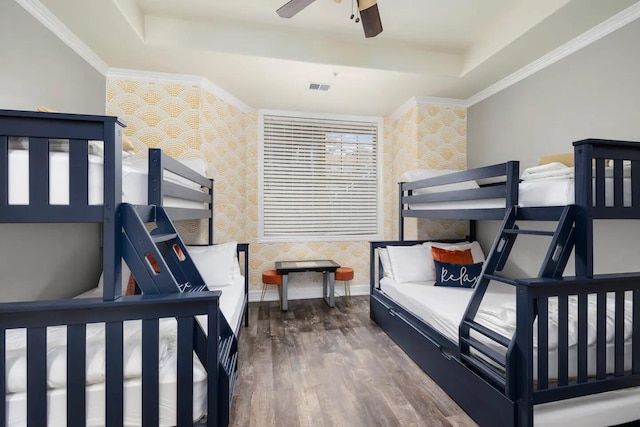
306, 292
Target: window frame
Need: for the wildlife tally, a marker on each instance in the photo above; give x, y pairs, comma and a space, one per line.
378, 121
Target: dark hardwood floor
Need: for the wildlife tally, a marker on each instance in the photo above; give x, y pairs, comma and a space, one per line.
317, 366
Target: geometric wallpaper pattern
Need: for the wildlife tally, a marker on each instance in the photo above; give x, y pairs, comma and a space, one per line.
426, 136
188, 121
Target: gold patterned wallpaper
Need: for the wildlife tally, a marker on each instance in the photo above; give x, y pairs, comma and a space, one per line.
188, 121
426, 136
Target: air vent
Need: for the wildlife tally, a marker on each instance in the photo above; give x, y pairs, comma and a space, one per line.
319, 86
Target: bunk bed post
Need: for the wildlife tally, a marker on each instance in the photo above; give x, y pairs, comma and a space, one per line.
400, 209
112, 198
583, 153
523, 353
513, 176
211, 217
155, 177
214, 412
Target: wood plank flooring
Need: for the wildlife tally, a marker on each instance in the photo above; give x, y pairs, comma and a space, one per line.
316, 366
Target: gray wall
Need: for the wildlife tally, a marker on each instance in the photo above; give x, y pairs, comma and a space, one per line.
40, 70
40, 261
593, 93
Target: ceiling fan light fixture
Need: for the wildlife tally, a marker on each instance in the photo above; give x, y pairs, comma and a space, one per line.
370, 16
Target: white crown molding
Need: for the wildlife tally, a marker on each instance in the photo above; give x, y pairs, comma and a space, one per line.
612, 24
152, 76
182, 79
306, 292
426, 100
441, 102
53, 24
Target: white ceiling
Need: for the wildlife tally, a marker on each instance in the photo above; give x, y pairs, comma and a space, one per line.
443, 48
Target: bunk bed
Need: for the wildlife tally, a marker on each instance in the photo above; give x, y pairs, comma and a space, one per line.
162, 327
569, 348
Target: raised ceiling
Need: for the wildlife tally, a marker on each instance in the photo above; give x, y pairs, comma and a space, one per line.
441, 48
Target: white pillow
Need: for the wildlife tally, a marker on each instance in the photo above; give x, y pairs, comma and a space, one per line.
383, 254
126, 273
411, 263
216, 263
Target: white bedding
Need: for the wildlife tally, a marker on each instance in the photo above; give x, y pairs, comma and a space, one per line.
134, 180
231, 304
444, 307
552, 184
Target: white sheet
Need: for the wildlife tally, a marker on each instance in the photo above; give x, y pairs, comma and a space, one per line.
16, 365
231, 304
57, 401
534, 193
443, 309
134, 181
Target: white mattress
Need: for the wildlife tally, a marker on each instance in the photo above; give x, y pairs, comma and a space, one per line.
535, 193
95, 395
443, 309
134, 181
231, 304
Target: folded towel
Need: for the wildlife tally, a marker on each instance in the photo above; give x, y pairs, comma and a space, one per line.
554, 170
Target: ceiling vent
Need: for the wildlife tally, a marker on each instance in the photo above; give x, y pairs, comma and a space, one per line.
319, 86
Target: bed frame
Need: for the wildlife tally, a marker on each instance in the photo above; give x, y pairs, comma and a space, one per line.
507, 396
113, 309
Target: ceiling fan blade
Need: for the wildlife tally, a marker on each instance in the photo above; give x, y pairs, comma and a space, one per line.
370, 16
292, 7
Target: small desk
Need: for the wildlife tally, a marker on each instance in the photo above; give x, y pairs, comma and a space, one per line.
328, 268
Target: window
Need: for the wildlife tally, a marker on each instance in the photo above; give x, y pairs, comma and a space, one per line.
320, 178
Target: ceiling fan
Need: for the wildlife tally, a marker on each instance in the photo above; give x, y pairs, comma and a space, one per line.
369, 13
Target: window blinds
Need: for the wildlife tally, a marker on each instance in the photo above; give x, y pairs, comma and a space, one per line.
319, 178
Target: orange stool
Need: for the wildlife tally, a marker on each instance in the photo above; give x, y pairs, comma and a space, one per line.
345, 274
271, 277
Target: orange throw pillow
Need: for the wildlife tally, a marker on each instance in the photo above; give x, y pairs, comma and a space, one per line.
452, 256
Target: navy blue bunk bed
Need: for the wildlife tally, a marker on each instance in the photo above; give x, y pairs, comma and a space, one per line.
168, 293
499, 387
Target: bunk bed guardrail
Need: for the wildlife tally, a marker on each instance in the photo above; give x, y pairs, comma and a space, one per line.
76, 314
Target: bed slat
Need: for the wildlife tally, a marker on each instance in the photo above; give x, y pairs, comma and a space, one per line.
635, 338
114, 368
76, 375
185, 370
601, 336
635, 183
543, 343
618, 184
150, 373
3, 377
79, 170
582, 338
38, 172
37, 377
619, 335
4, 171
563, 340
171, 189
600, 187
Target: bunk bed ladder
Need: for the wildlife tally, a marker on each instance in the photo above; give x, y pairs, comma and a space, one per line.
479, 356
160, 263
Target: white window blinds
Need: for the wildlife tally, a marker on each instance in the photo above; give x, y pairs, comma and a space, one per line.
320, 178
